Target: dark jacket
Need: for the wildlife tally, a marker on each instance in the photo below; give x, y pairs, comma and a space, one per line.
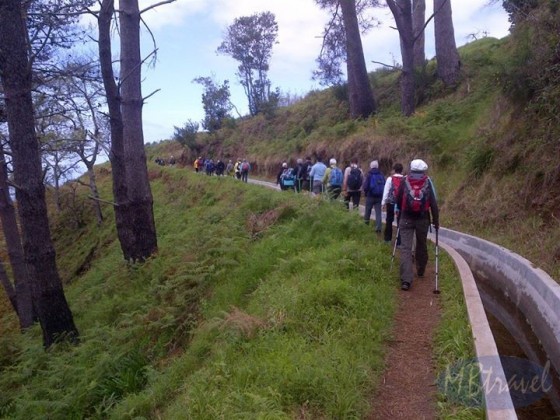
366, 188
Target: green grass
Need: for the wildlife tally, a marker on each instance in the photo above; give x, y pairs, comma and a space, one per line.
259, 304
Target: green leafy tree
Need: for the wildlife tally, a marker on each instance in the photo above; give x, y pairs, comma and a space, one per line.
216, 103
186, 135
249, 40
518, 10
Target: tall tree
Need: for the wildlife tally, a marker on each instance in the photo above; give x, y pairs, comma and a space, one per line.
131, 188
447, 56
20, 294
342, 42
360, 94
216, 103
249, 40
402, 12
140, 200
418, 18
116, 153
16, 72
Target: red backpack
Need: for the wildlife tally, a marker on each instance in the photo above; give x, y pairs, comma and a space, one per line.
395, 184
416, 195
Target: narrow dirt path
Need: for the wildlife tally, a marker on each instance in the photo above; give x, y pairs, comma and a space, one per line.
407, 389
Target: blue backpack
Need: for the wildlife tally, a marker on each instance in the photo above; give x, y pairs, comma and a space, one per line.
376, 185
288, 178
335, 178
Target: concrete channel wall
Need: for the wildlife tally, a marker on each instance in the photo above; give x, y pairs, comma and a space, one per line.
529, 288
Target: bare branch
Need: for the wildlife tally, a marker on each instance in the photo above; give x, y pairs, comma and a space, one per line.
161, 3
386, 65
151, 94
102, 201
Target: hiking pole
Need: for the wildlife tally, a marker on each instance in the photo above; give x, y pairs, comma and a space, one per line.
436, 290
395, 246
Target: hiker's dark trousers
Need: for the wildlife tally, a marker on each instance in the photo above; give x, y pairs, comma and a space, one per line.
390, 217
353, 196
408, 228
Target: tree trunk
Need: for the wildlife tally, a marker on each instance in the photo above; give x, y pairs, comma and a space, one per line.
95, 194
8, 287
138, 184
418, 20
48, 296
116, 155
402, 12
360, 94
447, 56
12, 237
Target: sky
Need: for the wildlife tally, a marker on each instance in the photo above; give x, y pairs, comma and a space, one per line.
188, 32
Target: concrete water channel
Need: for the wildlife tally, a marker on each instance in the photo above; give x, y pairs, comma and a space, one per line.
522, 307
514, 312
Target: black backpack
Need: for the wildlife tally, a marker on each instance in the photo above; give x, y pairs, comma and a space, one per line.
355, 179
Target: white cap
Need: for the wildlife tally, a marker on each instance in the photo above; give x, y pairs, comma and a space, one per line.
374, 164
332, 161
418, 165
284, 165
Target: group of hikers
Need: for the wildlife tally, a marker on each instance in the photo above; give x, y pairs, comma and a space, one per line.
411, 199
239, 169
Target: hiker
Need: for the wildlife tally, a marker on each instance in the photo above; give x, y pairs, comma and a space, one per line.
316, 175
286, 178
300, 172
237, 168
389, 200
172, 160
220, 167
333, 179
245, 168
197, 164
305, 179
209, 167
352, 185
229, 168
416, 199
373, 190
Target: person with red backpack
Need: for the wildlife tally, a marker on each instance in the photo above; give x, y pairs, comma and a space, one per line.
416, 202
390, 199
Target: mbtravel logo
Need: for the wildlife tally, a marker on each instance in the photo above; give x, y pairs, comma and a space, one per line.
476, 383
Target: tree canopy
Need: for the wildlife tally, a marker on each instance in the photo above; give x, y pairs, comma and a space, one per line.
249, 40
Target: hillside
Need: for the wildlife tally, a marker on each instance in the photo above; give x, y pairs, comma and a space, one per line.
257, 304
492, 151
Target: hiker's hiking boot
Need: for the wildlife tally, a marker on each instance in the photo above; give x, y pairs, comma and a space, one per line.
420, 273
405, 285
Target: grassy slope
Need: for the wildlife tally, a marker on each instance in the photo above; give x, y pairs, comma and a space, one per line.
257, 304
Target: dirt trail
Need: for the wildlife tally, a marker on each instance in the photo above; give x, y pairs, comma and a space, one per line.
407, 389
